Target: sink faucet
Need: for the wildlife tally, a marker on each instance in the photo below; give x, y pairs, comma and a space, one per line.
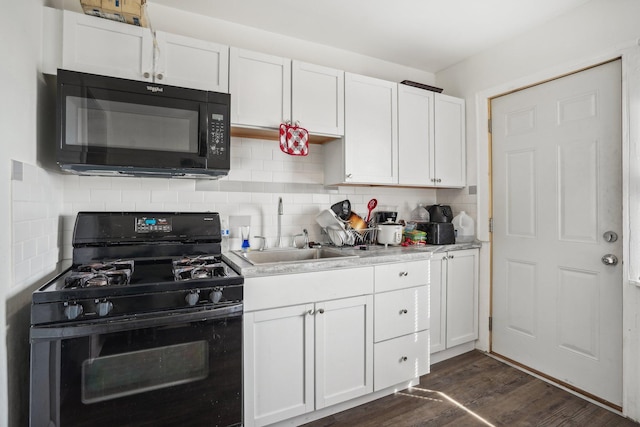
280, 211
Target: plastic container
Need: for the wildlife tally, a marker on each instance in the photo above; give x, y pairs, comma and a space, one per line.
420, 214
224, 232
464, 227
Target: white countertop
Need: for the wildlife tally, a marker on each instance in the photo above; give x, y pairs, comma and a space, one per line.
373, 254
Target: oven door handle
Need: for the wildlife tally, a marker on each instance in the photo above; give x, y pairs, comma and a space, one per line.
56, 332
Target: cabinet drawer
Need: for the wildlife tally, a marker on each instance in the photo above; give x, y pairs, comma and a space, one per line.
400, 359
401, 312
390, 277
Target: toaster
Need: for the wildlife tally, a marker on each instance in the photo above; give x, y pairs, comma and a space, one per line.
438, 233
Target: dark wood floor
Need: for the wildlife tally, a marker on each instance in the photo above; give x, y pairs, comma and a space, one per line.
476, 390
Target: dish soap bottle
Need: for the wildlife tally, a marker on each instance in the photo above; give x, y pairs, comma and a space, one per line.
420, 214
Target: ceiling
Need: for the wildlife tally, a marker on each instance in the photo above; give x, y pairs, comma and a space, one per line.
429, 35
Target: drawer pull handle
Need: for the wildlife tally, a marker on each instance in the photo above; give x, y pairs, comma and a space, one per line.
403, 311
403, 359
403, 274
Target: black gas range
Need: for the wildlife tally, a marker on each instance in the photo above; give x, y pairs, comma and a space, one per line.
144, 288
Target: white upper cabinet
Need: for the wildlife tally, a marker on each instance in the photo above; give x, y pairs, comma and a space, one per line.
100, 46
448, 152
267, 90
368, 154
187, 62
431, 138
415, 135
317, 98
260, 87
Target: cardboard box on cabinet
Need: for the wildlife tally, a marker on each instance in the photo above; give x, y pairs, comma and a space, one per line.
129, 11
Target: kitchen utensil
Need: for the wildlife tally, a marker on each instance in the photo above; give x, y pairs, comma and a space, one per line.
371, 206
342, 209
356, 222
440, 213
389, 233
294, 140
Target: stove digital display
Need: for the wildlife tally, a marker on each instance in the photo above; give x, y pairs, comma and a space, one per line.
151, 225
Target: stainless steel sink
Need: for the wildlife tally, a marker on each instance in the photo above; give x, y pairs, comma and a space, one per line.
278, 256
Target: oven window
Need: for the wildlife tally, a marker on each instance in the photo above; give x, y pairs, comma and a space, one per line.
92, 122
124, 374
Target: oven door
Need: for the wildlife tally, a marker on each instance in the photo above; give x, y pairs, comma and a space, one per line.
163, 370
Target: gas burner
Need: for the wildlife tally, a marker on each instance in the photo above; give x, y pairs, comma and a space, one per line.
100, 274
199, 267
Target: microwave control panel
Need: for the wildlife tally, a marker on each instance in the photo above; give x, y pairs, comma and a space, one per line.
217, 129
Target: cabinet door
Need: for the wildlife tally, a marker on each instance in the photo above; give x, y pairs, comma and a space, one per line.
371, 134
438, 301
99, 46
401, 359
317, 98
401, 312
415, 135
448, 161
187, 62
260, 87
462, 297
278, 365
344, 349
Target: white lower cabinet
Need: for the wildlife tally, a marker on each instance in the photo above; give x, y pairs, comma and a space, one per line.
305, 357
454, 298
401, 349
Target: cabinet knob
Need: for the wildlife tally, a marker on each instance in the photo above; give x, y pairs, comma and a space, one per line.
403, 311
159, 76
349, 175
439, 180
321, 310
310, 312
403, 359
403, 274
146, 74
450, 257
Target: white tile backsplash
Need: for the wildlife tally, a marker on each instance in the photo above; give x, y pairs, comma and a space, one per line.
36, 203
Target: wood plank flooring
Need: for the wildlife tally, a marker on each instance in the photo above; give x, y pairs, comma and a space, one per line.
476, 390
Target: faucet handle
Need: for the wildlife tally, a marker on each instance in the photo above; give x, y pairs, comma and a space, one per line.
263, 242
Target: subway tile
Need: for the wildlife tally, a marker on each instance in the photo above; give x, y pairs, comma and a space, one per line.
94, 182
164, 196
136, 196
261, 176
77, 195
154, 183
191, 197
105, 196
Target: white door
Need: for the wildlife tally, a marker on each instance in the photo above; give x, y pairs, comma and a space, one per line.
557, 308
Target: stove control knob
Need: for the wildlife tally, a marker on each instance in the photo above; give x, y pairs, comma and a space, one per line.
72, 310
216, 295
103, 307
192, 297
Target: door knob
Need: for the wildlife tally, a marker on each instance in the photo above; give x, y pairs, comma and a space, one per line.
609, 259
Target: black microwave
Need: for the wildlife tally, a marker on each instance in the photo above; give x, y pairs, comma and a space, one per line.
119, 127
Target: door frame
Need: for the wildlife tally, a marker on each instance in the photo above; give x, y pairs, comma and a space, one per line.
630, 58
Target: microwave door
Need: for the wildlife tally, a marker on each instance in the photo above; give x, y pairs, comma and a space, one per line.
120, 129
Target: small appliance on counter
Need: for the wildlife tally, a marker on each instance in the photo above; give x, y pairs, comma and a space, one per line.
440, 213
439, 229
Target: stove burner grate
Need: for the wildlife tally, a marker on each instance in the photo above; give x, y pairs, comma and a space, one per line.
100, 274
199, 267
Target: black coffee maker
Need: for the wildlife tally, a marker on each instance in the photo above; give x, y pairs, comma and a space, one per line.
439, 229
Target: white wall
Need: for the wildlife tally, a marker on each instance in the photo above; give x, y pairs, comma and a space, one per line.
29, 251
598, 31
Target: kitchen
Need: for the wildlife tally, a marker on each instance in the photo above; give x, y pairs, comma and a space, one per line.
41, 197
